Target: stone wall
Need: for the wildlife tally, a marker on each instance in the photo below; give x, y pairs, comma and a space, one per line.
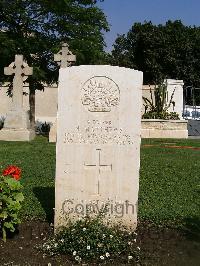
46, 101
157, 128
46, 104
172, 85
146, 93
178, 95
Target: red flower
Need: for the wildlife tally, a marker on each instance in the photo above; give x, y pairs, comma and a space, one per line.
14, 171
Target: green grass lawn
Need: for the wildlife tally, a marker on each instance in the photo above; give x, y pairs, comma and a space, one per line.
169, 179
170, 182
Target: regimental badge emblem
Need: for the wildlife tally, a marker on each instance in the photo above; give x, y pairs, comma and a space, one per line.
100, 94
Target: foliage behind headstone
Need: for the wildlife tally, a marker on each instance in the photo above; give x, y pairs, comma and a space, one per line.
35, 29
161, 51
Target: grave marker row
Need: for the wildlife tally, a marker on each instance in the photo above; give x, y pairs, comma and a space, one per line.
98, 137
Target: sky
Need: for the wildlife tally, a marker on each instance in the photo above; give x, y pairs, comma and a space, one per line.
122, 14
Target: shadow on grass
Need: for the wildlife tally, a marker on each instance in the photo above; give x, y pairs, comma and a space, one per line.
46, 197
192, 228
192, 224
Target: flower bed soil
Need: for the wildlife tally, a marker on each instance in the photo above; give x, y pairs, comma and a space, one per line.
159, 246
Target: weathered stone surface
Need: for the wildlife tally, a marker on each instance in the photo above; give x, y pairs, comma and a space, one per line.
21, 71
98, 143
157, 128
64, 59
173, 86
53, 132
17, 119
176, 86
17, 134
17, 124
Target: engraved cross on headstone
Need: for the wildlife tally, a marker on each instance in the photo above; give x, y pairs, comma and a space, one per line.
20, 70
64, 58
98, 166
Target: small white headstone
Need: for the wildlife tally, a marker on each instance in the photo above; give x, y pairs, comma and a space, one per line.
98, 143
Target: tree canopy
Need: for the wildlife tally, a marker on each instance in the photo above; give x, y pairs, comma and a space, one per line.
35, 28
161, 51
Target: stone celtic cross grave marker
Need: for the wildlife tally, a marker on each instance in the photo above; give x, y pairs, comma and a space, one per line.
64, 59
21, 71
98, 143
17, 125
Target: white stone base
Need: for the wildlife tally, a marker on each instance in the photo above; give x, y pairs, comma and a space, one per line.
157, 128
17, 134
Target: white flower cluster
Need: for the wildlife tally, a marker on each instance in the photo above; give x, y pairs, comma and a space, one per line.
107, 255
77, 258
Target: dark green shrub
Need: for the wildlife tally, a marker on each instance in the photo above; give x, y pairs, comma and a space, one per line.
42, 128
163, 115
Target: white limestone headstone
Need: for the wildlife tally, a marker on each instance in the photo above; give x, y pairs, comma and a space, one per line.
17, 124
98, 143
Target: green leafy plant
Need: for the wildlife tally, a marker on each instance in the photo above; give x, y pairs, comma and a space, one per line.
42, 128
90, 240
10, 199
157, 106
162, 115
